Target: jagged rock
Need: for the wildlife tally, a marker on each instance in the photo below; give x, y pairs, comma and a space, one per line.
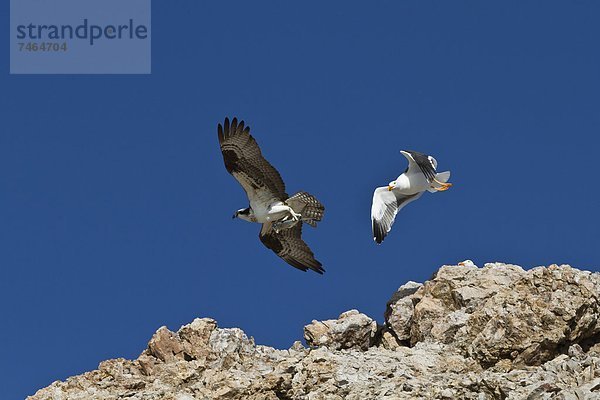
471, 332
400, 310
387, 339
351, 330
501, 311
165, 345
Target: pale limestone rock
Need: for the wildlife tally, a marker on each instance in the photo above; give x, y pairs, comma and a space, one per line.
351, 330
164, 345
400, 310
496, 332
501, 311
388, 340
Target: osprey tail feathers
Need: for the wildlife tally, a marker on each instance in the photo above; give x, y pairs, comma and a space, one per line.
308, 206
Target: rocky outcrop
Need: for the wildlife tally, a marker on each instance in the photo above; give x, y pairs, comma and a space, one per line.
352, 330
501, 312
496, 332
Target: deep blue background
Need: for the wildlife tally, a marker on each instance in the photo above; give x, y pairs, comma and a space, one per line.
115, 207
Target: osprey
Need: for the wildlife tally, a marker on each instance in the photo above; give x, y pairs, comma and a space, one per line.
281, 216
421, 175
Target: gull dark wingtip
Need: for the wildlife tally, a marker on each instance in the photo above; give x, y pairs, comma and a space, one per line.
220, 133
226, 127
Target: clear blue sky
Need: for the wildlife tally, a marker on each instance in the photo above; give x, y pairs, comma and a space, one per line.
115, 206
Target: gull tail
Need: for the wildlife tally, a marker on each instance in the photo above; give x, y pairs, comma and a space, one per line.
441, 177
308, 207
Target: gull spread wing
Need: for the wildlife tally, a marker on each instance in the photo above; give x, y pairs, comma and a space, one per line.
288, 245
244, 160
425, 163
386, 205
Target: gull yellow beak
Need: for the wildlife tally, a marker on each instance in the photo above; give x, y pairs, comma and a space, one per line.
390, 188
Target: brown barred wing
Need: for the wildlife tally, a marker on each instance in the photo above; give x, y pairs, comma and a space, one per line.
288, 245
244, 160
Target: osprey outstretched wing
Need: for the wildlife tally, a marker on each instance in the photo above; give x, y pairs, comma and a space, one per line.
288, 245
244, 160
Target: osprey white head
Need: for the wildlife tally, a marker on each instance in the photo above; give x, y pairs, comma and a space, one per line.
246, 214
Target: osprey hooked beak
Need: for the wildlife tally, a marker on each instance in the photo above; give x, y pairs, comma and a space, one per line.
235, 215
